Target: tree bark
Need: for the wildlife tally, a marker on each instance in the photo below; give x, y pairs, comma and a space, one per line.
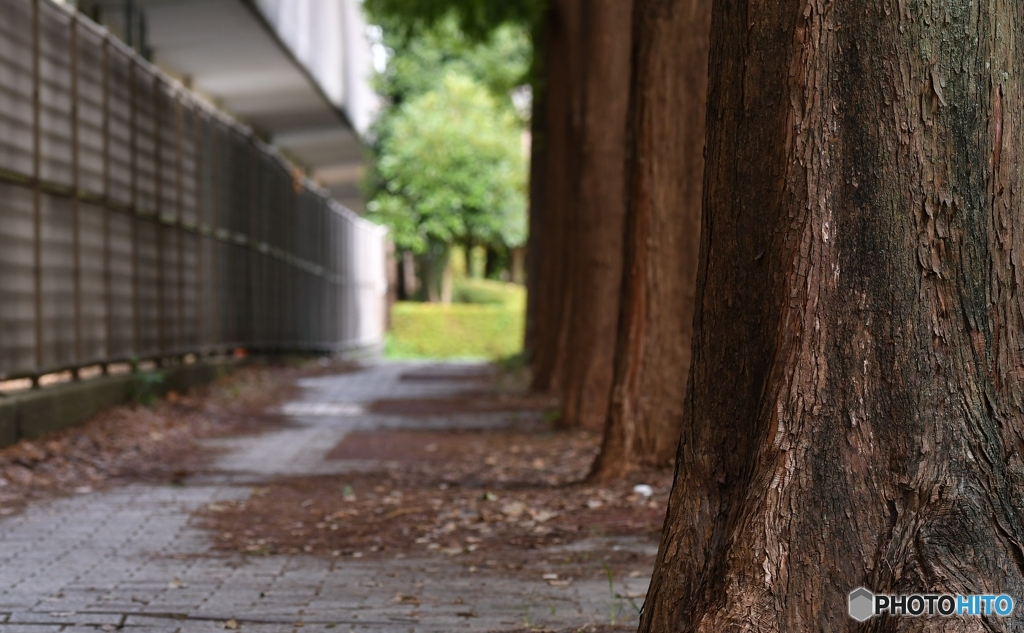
551, 233
467, 258
666, 172
536, 246
410, 286
436, 272
494, 262
854, 411
596, 244
517, 266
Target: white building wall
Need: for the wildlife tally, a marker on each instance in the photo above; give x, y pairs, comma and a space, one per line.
328, 37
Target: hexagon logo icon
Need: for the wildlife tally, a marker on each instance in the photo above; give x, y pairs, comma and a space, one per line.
862, 604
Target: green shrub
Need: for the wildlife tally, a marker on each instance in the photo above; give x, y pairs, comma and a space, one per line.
459, 330
145, 387
485, 291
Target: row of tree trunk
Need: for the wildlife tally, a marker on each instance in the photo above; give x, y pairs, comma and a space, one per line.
615, 222
800, 275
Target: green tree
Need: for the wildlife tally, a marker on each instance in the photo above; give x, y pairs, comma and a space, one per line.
419, 63
422, 53
451, 170
477, 18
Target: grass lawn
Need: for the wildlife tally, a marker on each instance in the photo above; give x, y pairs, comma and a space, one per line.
490, 328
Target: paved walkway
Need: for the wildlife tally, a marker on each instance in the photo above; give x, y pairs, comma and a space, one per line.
129, 559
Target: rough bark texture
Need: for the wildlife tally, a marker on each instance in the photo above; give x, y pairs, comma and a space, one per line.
666, 172
554, 226
854, 412
596, 244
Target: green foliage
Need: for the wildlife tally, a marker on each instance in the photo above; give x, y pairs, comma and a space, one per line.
419, 64
486, 291
615, 599
459, 330
451, 169
478, 18
448, 164
145, 387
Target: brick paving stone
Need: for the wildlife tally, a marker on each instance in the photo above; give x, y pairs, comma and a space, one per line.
131, 555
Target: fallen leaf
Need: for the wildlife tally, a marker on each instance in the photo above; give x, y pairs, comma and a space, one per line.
540, 516
513, 510
404, 599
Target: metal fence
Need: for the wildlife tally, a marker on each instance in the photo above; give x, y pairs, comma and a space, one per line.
136, 222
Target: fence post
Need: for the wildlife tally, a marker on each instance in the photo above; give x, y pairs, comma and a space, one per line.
180, 220
36, 193
217, 298
197, 129
134, 205
158, 200
75, 210
108, 291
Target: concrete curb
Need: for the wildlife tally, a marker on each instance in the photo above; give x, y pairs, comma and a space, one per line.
28, 415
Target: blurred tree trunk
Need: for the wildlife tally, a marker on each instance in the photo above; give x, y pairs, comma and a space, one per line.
517, 267
596, 243
408, 284
536, 244
394, 285
492, 263
666, 171
436, 273
854, 413
467, 257
552, 227
447, 285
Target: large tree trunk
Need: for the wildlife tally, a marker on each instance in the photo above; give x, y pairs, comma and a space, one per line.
536, 246
596, 244
553, 229
854, 412
666, 172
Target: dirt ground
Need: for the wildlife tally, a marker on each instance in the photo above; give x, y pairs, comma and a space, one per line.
489, 498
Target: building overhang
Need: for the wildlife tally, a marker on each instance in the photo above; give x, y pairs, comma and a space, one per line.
245, 56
